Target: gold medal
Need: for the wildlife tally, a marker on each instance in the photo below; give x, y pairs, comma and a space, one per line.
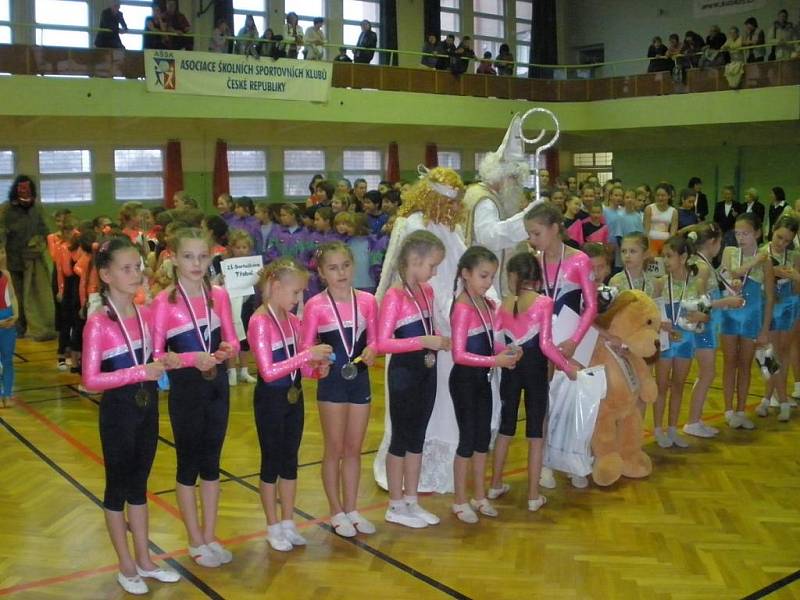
142, 397
430, 360
293, 395
675, 335
209, 374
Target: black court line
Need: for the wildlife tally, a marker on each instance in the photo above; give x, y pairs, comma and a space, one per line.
43, 400
774, 586
185, 573
22, 358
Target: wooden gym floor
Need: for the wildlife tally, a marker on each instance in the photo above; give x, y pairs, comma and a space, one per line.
718, 520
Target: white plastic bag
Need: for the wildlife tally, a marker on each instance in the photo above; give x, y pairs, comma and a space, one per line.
573, 412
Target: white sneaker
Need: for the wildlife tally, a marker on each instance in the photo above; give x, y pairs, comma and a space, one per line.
662, 439
159, 574
484, 507
709, 428
579, 481
401, 515
277, 540
697, 430
773, 401
361, 524
745, 423
734, 422
416, 510
677, 439
62, 366
547, 479
465, 513
204, 556
221, 553
792, 401
785, 413
232, 381
762, 410
495, 493
244, 375
133, 585
342, 525
290, 533
534, 505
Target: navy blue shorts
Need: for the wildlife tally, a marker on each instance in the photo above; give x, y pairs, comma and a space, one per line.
334, 388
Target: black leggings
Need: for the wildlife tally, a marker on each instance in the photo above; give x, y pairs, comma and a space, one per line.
198, 412
129, 435
530, 376
472, 401
280, 428
412, 393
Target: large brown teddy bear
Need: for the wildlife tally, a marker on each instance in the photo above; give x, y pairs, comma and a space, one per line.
635, 319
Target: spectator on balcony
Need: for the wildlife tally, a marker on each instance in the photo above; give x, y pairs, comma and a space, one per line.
219, 37
735, 68
269, 44
446, 50
782, 32
485, 67
154, 28
343, 56
658, 53
177, 23
459, 62
368, 40
112, 23
315, 41
292, 36
713, 56
504, 63
247, 38
753, 36
673, 47
691, 49
430, 51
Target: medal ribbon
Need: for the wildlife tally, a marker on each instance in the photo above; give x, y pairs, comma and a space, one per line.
630, 280
206, 346
720, 277
340, 324
293, 375
674, 317
553, 292
427, 324
127, 336
487, 328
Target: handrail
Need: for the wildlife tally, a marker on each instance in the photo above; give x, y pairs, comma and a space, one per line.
624, 61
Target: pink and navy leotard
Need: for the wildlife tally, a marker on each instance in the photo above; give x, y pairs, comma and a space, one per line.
400, 326
471, 347
570, 286
266, 344
524, 329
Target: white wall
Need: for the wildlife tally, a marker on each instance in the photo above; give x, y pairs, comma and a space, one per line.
626, 27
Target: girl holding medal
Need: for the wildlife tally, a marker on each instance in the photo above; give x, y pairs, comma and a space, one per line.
525, 318
472, 323
707, 240
405, 330
273, 332
567, 280
680, 282
786, 267
194, 319
345, 319
750, 275
117, 361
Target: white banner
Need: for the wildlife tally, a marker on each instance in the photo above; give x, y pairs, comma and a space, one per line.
714, 8
212, 74
241, 275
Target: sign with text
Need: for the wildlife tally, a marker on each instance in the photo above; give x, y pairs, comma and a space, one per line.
237, 75
715, 8
241, 275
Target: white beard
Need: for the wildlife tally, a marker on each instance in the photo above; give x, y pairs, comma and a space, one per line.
510, 197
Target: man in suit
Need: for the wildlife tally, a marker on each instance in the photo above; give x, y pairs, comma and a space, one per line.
367, 39
725, 213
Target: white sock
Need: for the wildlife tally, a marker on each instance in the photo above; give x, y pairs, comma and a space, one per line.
396, 504
287, 523
244, 371
275, 530
410, 499
728, 413
797, 388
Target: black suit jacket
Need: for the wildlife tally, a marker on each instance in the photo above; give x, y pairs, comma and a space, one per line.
367, 39
701, 206
758, 210
726, 222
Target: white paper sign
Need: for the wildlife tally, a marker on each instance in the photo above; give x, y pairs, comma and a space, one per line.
241, 275
564, 325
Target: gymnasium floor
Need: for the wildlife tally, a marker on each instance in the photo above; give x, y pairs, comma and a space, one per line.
718, 520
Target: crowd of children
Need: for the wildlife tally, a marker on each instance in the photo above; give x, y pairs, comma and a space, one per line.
143, 301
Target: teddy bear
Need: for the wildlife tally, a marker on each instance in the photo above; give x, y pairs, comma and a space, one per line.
634, 319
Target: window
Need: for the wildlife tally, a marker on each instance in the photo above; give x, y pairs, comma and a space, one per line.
6, 171
138, 174
449, 159
450, 16
479, 157
355, 11
65, 176
594, 163
523, 24
488, 26
5, 21
73, 14
135, 13
306, 11
257, 8
363, 164
299, 166
248, 173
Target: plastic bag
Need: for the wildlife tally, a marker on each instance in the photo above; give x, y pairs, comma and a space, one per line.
768, 363
573, 413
